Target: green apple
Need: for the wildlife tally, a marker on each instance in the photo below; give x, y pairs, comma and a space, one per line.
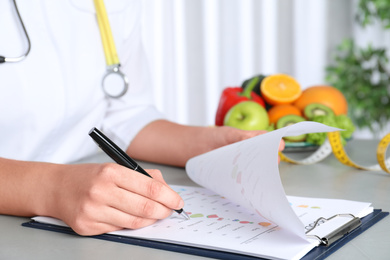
247, 115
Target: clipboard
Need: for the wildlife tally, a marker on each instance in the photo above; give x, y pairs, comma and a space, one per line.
343, 235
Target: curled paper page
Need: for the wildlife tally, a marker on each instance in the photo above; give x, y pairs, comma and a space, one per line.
247, 173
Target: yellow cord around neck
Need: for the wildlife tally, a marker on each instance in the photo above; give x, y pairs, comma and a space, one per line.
106, 34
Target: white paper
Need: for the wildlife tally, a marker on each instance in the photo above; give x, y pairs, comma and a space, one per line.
218, 223
247, 173
244, 208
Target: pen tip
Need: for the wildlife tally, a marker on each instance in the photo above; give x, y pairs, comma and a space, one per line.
185, 215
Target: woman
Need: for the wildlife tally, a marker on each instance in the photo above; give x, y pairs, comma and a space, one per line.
51, 100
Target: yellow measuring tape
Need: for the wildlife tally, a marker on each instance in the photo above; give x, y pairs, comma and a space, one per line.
333, 144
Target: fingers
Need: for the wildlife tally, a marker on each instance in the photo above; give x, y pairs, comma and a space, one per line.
239, 135
137, 205
100, 220
249, 134
255, 133
105, 197
154, 189
140, 195
281, 145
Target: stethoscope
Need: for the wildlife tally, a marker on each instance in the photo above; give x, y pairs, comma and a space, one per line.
4, 59
114, 83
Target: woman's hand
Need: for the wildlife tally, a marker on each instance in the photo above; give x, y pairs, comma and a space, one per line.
225, 135
99, 198
91, 198
169, 143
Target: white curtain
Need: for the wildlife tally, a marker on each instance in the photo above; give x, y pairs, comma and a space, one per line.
197, 48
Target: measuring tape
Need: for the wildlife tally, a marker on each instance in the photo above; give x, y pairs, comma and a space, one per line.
333, 144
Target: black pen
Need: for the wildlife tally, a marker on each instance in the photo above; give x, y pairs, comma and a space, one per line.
120, 157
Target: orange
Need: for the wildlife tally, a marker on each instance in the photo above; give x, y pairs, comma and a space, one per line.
278, 111
326, 95
280, 89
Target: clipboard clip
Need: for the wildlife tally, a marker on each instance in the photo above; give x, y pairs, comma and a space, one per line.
337, 233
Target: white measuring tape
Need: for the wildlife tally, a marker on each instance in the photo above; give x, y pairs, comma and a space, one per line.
333, 144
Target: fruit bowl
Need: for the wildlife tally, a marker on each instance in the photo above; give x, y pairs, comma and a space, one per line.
303, 146
283, 103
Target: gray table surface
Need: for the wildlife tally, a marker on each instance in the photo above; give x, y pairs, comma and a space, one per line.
328, 179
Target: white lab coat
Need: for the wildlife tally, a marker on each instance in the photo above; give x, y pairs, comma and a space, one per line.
50, 100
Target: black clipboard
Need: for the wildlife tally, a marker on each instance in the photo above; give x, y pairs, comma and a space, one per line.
317, 253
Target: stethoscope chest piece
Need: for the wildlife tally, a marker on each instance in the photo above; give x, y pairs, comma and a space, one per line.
115, 83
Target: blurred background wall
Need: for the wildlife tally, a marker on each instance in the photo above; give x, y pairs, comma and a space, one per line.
197, 48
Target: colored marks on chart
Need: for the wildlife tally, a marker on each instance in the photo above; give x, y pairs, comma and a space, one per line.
179, 191
199, 215
238, 179
236, 174
242, 221
265, 224
307, 206
236, 158
215, 216
304, 206
245, 222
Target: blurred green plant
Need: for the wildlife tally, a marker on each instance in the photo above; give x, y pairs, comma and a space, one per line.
362, 74
371, 10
